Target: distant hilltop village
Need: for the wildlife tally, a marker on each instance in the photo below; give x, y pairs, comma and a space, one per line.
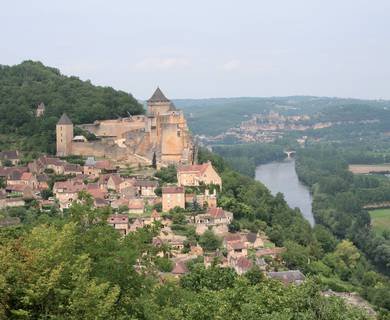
162, 134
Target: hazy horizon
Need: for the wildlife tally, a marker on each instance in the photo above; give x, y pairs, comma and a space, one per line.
201, 50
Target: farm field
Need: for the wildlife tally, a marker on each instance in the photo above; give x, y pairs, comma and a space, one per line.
367, 168
380, 220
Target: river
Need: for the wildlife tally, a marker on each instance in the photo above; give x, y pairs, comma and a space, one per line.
281, 177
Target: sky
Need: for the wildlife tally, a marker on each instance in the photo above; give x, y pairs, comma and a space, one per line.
207, 48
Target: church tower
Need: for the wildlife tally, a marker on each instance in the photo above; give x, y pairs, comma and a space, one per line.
64, 132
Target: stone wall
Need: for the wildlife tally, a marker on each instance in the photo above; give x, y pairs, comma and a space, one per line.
116, 127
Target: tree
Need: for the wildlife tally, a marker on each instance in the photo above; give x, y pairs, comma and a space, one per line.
209, 241
167, 175
154, 161
234, 226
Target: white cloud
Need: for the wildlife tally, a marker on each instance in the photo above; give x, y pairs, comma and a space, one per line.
162, 63
231, 65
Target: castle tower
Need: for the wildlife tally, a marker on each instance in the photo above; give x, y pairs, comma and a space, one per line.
159, 104
40, 110
64, 132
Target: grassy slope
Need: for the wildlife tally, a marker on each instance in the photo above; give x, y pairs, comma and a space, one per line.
380, 219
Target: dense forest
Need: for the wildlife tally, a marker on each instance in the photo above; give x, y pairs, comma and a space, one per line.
24, 86
75, 266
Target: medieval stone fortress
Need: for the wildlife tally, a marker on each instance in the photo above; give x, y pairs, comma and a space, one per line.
161, 133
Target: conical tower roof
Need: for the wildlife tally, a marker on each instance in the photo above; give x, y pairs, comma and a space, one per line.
158, 96
64, 119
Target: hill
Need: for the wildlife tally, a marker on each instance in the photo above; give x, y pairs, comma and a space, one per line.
214, 116
24, 86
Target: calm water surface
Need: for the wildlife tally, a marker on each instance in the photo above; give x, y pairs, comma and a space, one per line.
281, 177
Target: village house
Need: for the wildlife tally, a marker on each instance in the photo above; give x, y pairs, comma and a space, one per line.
119, 222
113, 182
12, 156
155, 216
11, 202
217, 218
66, 192
241, 264
94, 168
23, 179
288, 277
137, 224
179, 269
72, 169
172, 197
136, 206
175, 242
206, 199
146, 188
20, 190
194, 175
47, 163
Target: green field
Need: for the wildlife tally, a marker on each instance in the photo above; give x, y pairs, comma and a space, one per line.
380, 220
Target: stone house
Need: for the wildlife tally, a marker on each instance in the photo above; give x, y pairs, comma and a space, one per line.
42, 163
21, 190
66, 192
240, 264
216, 218
202, 199
146, 188
11, 202
119, 222
12, 156
179, 268
194, 175
113, 182
288, 277
173, 197
136, 206
72, 169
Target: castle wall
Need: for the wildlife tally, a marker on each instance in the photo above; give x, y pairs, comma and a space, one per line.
171, 142
116, 127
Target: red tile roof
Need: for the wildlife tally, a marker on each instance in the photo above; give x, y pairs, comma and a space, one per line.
172, 190
195, 168
118, 218
26, 176
216, 213
180, 268
244, 263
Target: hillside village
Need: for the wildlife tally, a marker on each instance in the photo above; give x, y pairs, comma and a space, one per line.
163, 189
141, 198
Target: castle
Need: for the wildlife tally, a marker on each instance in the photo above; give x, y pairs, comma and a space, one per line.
161, 133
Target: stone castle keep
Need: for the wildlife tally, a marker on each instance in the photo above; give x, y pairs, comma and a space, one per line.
162, 131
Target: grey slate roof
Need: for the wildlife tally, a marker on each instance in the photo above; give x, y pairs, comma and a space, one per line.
291, 276
158, 96
64, 119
